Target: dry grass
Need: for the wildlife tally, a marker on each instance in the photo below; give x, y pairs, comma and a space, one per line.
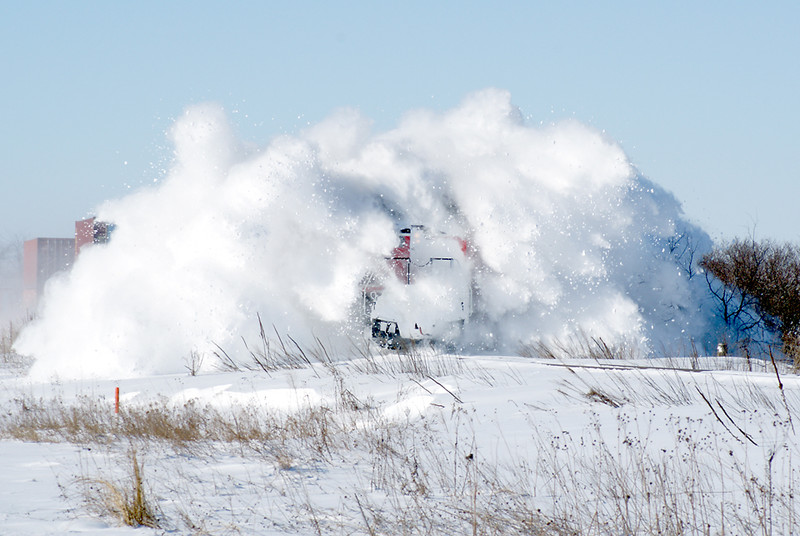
127, 501
580, 345
635, 475
676, 388
430, 476
281, 353
421, 361
8, 334
185, 427
273, 354
11, 361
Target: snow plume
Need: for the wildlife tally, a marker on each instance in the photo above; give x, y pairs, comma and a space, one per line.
566, 235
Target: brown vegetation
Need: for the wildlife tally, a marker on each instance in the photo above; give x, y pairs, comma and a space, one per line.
757, 287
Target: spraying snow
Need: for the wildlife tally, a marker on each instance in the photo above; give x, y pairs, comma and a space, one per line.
566, 236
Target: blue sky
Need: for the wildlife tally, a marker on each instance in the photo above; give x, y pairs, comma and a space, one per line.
703, 96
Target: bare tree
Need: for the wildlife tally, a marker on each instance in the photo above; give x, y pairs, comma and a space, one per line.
757, 287
683, 248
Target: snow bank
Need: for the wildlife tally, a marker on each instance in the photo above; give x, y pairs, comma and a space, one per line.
568, 237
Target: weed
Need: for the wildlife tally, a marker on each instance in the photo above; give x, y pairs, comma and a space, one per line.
8, 335
127, 501
194, 362
579, 345
629, 471
270, 355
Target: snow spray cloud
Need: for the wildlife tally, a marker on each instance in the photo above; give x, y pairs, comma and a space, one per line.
567, 235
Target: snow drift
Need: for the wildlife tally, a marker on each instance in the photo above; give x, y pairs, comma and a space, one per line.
568, 237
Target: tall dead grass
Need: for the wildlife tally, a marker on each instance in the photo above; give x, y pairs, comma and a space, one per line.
276, 352
431, 476
342, 466
10, 360
183, 427
580, 345
127, 500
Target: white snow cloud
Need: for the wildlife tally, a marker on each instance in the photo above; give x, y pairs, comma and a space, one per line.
567, 234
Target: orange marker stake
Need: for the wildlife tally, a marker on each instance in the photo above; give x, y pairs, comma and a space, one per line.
116, 400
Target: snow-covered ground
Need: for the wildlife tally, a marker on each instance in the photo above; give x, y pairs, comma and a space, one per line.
424, 444
565, 238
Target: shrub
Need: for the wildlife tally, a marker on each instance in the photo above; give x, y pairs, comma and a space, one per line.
127, 502
757, 287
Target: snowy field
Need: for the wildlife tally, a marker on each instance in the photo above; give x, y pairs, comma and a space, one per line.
564, 239
410, 444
